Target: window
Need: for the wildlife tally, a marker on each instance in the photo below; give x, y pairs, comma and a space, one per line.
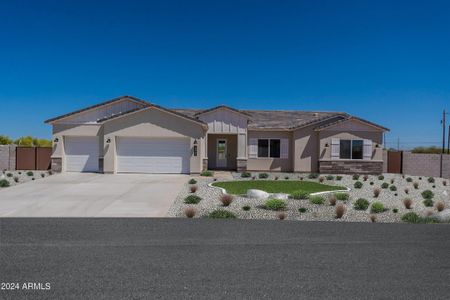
351, 149
269, 148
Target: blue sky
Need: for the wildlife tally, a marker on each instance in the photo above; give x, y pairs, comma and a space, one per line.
388, 61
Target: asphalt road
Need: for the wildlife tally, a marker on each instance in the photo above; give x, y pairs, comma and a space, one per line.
219, 259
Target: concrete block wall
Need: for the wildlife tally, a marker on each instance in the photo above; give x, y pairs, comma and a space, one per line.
425, 164
7, 157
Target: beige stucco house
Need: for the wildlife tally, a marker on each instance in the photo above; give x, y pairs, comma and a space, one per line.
129, 135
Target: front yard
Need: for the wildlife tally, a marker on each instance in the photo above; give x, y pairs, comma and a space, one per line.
11, 178
384, 198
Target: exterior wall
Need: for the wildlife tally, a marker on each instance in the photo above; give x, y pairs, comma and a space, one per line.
385, 161
271, 164
231, 148
151, 123
421, 164
306, 150
7, 157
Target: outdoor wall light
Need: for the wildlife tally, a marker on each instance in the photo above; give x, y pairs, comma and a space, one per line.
195, 142
56, 140
108, 140
326, 145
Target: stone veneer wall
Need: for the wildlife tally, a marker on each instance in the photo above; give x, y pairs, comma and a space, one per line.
56, 165
205, 164
241, 165
8, 157
350, 167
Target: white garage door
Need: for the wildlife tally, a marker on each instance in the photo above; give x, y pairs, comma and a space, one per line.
153, 155
81, 154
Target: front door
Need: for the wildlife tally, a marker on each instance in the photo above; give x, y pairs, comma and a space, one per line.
221, 155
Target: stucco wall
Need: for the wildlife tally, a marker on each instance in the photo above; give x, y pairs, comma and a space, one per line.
271, 164
426, 164
7, 157
306, 146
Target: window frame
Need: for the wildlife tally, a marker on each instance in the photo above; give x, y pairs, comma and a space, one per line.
268, 148
351, 149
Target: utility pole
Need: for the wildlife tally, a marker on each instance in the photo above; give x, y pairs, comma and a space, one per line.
448, 140
398, 144
443, 132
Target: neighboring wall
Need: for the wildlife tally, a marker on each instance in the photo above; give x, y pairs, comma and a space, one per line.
306, 147
7, 157
425, 164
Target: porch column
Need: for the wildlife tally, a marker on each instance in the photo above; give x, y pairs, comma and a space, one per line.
242, 152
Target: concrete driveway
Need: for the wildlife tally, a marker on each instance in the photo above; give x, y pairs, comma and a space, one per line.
92, 195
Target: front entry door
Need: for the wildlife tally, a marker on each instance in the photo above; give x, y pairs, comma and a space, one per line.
221, 155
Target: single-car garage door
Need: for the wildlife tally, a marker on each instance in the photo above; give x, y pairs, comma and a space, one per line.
81, 153
153, 155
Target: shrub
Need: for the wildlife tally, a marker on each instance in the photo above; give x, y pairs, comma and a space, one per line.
313, 176
428, 202
427, 194
444, 182
20, 173
440, 206
406, 191
16, 178
361, 204
407, 203
9, 175
33, 178
192, 181
411, 217
433, 186
377, 207
192, 199
221, 214
395, 194
355, 176
281, 216
392, 181
317, 200
338, 178
376, 192
339, 210
393, 188
42, 175
302, 210
330, 177
371, 183
30, 173
332, 199
342, 196
4, 183
373, 218
207, 173
299, 195
190, 212
286, 177
193, 188
253, 177
246, 174
430, 179
321, 179
416, 185
381, 177
409, 179
420, 178
263, 175
50, 172
384, 185
226, 199
246, 207
300, 177
275, 204
395, 210
276, 178
358, 185
365, 177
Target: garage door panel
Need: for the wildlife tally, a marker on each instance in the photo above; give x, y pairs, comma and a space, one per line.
153, 155
82, 154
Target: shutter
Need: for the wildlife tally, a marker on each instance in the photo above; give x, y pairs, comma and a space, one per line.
253, 148
284, 148
335, 148
367, 150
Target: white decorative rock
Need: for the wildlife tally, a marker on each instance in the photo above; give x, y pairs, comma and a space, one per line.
280, 196
445, 193
443, 216
258, 194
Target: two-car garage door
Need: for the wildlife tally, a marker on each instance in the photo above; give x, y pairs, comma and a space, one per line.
153, 155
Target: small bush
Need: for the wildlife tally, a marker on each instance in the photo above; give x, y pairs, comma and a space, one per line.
226, 199
30, 173
395, 210
281, 216
393, 188
340, 210
321, 179
193, 188
342, 196
377, 207
221, 214
33, 178
263, 175
190, 212
392, 181
276, 178
384, 185
299, 195
207, 173
373, 218
286, 177
16, 178
300, 177
433, 186
246, 207
330, 177
371, 183
275, 204
20, 173
253, 177
42, 175
395, 194
313, 176
50, 172
376, 192
444, 183
355, 176
192, 181
9, 175
246, 174
317, 200
302, 210
440, 206
332, 199
381, 177
416, 185
430, 179
420, 178
427, 194
409, 179
358, 185
338, 178
407, 203
4, 183
406, 191
428, 202
192, 199
411, 217
365, 177
361, 204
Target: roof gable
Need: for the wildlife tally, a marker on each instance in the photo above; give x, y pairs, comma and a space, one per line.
222, 107
352, 123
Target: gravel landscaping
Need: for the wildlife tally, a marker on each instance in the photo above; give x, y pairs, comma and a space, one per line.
18, 177
389, 206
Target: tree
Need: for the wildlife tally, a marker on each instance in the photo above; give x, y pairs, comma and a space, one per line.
5, 140
26, 141
431, 149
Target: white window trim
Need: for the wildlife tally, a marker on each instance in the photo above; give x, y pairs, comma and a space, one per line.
268, 148
351, 149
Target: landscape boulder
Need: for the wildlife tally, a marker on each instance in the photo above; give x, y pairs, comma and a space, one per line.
257, 194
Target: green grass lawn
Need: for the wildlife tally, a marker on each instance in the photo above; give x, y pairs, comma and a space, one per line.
275, 186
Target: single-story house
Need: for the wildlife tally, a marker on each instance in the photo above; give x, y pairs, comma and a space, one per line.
129, 135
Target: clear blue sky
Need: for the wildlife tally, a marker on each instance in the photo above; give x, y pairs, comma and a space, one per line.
388, 61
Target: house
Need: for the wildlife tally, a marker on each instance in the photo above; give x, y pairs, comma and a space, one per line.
129, 135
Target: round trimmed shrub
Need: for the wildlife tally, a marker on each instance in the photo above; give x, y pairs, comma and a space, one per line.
358, 185
207, 173
30, 173
411, 217
355, 177
275, 204
428, 202
4, 183
330, 177
246, 207
313, 176
339, 178
395, 210
393, 188
377, 207
361, 204
263, 175
192, 199
221, 214
409, 179
342, 196
192, 181
430, 179
246, 174
299, 195
427, 194
317, 200
384, 185
302, 210
381, 177
9, 175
